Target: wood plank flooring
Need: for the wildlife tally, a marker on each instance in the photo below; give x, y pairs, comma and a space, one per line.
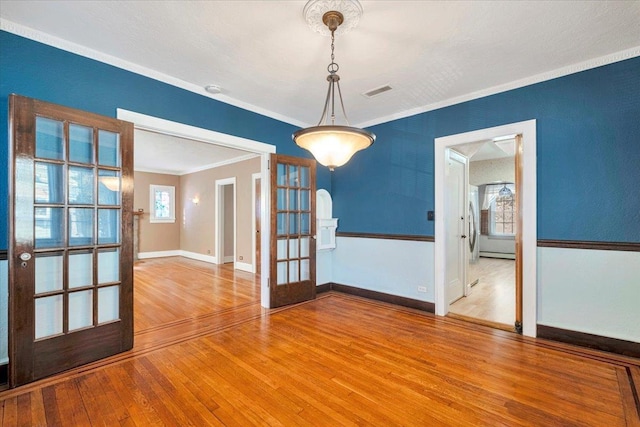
493, 299
337, 360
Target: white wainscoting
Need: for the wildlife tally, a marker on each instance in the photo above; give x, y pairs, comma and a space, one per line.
396, 267
4, 312
324, 267
590, 291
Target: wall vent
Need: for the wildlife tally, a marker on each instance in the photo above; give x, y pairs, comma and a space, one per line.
377, 91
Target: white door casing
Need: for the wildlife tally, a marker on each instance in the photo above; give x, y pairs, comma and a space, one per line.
155, 124
529, 222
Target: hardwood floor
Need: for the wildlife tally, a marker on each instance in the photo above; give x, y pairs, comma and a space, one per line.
337, 360
493, 298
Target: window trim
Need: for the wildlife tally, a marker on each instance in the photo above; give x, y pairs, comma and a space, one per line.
153, 188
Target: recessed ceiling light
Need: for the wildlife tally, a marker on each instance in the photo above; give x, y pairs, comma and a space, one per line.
215, 89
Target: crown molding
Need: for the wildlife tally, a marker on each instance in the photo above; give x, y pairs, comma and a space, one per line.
516, 84
50, 40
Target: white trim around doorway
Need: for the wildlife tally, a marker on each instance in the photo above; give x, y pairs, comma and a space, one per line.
529, 221
167, 127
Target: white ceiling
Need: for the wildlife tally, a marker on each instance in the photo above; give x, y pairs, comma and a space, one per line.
266, 59
167, 154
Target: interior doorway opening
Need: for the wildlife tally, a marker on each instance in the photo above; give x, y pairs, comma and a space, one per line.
488, 295
528, 244
226, 222
166, 127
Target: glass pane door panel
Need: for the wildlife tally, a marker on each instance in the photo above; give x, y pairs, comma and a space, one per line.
48, 182
304, 177
80, 269
282, 199
282, 248
108, 304
108, 148
304, 247
305, 223
80, 144
80, 226
108, 187
281, 226
49, 139
305, 273
48, 273
282, 273
305, 200
293, 223
293, 200
294, 180
80, 309
80, 185
48, 320
293, 248
108, 226
49, 227
294, 275
109, 266
281, 177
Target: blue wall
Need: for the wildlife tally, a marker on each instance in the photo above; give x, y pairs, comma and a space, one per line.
588, 140
39, 71
588, 152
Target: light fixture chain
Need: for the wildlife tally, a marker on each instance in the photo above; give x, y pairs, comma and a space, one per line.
333, 39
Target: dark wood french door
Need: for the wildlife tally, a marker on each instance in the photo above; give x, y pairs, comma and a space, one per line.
293, 230
70, 251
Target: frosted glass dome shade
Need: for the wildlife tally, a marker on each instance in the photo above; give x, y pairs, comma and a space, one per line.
333, 145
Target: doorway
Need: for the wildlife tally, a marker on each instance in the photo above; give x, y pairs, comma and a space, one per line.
491, 232
226, 224
166, 127
528, 244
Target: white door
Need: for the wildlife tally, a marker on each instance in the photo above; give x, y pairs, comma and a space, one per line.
455, 222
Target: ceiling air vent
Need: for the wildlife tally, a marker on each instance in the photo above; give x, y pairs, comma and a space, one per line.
377, 91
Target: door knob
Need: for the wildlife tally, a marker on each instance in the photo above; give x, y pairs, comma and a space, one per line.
25, 256
463, 236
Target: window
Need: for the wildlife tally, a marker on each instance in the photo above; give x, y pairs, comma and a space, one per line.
503, 216
162, 202
499, 216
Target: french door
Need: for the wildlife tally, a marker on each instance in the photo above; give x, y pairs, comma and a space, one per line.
70, 251
293, 230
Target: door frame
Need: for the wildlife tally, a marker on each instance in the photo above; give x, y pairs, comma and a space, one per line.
528, 210
221, 220
168, 127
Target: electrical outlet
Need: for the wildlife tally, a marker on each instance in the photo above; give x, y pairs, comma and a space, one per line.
422, 289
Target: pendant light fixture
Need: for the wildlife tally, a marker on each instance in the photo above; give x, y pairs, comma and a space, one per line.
332, 144
505, 191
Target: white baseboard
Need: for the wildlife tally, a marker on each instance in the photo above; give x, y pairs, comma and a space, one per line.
158, 254
244, 267
229, 259
200, 257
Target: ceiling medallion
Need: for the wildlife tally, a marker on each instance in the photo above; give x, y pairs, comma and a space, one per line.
314, 10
